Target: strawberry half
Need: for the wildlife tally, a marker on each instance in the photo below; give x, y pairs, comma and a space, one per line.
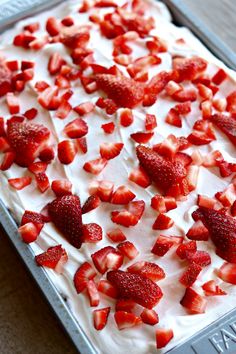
161, 171
226, 124
194, 302
83, 274
51, 257
135, 287
26, 140
148, 270
110, 150
65, 213
126, 320
100, 318
124, 91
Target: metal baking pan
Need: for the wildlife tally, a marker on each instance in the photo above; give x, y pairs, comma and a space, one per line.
220, 336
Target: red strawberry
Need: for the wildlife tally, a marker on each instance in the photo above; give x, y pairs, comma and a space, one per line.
139, 176
114, 260
233, 209
92, 233
124, 91
222, 229
198, 232
231, 102
105, 190
189, 277
161, 171
227, 273
65, 213
122, 195
95, 166
51, 257
100, 318
150, 122
201, 258
212, 289
84, 273
106, 288
226, 124
186, 247
158, 203
126, 320
110, 150
185, 95
108, 127
100, 258
126, 117
13, 103
52, 26
162, 245
33, 217
26, 140
131, 216
149, 317
91, 203
84, 108
135, 287
125, 305
55, 63
142, 138
206, 202
189, 68
163, 222
219, 77
76, 129
5, 79
61, 187
116, 235
128, 249
63, 109
81, 144
194, 302
66, 151
42, 181
20, 183
28, 232
38, 167
163, 337
148, 270
93, 294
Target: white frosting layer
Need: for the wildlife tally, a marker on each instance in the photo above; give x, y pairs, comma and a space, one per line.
171, 313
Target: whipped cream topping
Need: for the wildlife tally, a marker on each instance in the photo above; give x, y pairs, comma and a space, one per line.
171, 313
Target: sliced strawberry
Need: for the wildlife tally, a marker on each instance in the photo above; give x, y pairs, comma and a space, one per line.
206, 202
20, 183
227, 273
108, 127
168, 147
173, 118
55, 63
84, 108
100, 258
26, 140
182, 249
227, 196
125, 305
170, 203
147, 269
189, 68
131, 216
93, 294
5, 79
61, 187
105, 190
106, 288
150, 122
162, 245
233, 209
212, 289
100, 318
7, 161
81, 144
128, 249
12, 65
149, 317
192, 177
227, 125
183, 108
107, 104
220, 104
114, 260
194, 302
42, 181
51, 257
126, 320
124, 91
155, 86
185, 95
158, 203
84, 273
31, 113
141, 138
110, 150
135, 287
163, 222
65, 213
126, 117
62, 112
47, 154
28, 232
13, 103
140, 177
47, 96
219, 77
91, 203
33, 217
116, 235
52, 26
204, 91
231, 102
95, 166
163, 337
66, 151
189, 277
198, 232
92, 233
76, 129
122, 195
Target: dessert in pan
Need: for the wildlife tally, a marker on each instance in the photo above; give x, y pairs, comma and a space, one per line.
117, 140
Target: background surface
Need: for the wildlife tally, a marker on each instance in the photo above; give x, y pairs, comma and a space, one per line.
27, 324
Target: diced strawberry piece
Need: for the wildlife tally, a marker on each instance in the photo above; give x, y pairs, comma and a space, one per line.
168, 147
67, 21
84, 108
42, 181
46, 96
106, 288
205, 92
82, 144
233, 209
125, 305
194, 302
62, 112
32, 27
206, 108
92, 233
126, 320
31, 113
91, 203
108, 127
183, 108
28, 232
197, 158
122, 195
150, 122
55, 63
141, 138
114, 260
206, 202
47, 154
192, 177
170, 203
186, 247
231, 102
131, 216
61, 187
220, 104
149, 317
198, 232
116, 235
212, 289
66, 151
172, 87
173, 118
227, 273
84, 273
183, 158
52, 26
95, 166
199, 138
226, 124
13, 65
163, 337
20, 183
110, 150
139, 176
128, 249
13, 103
162, 245
182, 143
51, 257
100, 318
189, 277
185, 95
4, 145
32, 217
158, 203
5, 79
189, 68
76, 129
100, 258
7, 161
212, 158
163, 222
105, 190
93, 293
147, 269
41, 86
126, 117
219, 77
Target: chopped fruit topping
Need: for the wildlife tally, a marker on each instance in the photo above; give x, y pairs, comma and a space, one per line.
185, 95
76, 129
233, 209
65, 213
110, 150
161, 171
105, 190
52, 26
42, 181
126, 117
128, 249
28, 232
190, 275
13, 103
47, 154
147, 269
173, 118
20, 183
122, 195
125, 305
163, 204
131, 216
206, 202
114, 260
149, 317
55, 63
231, 102
108, 127
227, 273
135, 287
150, 122
163, 222
124, 91
38, 167
139, 176
182, 249
26, 140
100, 258
95, 166
93, 293
100, 318
91, 203
142, 138
162, 245
198, 232
226, 124
163, 337
219, 77
84, 108
84, 273
194, 302
212, 289
66, 151
81, 144
116, 235
32, 217
126, 320
5, 79
105, 287
189, 68
92, 232
51, 257
61, 187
